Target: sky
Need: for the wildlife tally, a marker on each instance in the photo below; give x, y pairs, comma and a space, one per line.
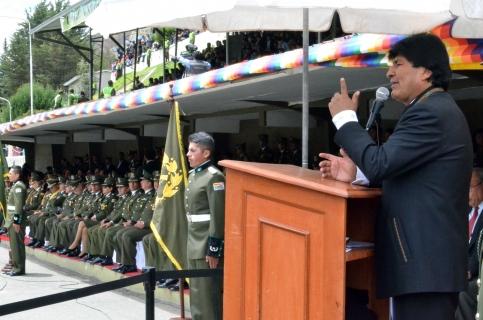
12, 12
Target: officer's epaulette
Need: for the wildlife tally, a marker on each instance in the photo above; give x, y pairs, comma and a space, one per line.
212, 170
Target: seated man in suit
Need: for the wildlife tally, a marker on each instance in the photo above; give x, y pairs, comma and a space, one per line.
467, 299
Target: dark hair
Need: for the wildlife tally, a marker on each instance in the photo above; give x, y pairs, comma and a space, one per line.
16, 169
149, 153
204, 140
427, 51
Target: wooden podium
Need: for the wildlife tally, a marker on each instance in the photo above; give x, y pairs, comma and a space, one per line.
285, 235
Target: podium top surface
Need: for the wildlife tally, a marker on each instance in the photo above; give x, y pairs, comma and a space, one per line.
305, 178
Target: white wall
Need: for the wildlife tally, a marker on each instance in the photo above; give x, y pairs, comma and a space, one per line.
43, 156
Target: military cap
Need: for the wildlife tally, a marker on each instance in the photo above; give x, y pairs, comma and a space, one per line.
108, 182
121, 182
52, 180
96, 180
133, 177
36, 176
147, 176
156, 175
73, 180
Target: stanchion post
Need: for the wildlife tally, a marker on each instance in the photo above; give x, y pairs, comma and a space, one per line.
149, 287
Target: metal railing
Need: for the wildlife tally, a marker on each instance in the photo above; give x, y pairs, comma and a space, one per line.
148, 277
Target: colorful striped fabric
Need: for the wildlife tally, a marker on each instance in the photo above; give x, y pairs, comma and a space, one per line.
358, 50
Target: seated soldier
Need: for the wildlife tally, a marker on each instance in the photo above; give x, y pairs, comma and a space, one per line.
53, 202
49, 222
33, 203
97, 234
140, 221
65, 214
103, 210
89, 211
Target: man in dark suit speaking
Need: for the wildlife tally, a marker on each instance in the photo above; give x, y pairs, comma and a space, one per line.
424, 169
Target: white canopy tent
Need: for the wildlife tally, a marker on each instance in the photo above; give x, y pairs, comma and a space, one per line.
364, 16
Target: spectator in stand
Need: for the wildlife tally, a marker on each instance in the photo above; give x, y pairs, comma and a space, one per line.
148, 57
264, 154
82, 97
72, 98
58, 100
295, 153
240, 152
109, 90
283, 156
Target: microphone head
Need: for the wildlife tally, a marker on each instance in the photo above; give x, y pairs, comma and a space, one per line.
382, 94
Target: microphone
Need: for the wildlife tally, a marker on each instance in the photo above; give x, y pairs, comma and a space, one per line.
382, 94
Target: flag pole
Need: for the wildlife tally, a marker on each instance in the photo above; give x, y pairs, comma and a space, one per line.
180, 280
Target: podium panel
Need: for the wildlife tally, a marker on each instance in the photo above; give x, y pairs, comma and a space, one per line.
285, 233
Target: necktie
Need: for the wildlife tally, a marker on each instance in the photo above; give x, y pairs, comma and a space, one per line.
472, 221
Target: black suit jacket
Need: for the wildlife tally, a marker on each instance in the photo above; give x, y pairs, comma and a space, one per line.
424, 169
473, 265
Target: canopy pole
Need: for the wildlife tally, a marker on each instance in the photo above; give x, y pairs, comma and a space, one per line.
135, 60
91, 65
305, 90
99, 86
227, 51
124, 60
176, 43
164, 56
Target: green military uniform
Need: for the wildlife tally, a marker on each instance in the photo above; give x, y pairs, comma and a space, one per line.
33, 218
34, 200
106, 206
68, 227
205, 210
57, 215
97, 234
16, 215
133, 203
66, 213
51, 208
153, 253
128, 237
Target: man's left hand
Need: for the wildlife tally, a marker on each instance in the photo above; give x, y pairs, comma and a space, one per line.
341, 101
212, 262
139, 224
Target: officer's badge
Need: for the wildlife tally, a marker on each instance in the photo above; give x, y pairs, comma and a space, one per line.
218, 186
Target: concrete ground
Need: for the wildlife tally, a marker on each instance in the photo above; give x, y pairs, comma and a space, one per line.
42, 280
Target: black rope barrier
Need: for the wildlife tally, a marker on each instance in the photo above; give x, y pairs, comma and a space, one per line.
149, 277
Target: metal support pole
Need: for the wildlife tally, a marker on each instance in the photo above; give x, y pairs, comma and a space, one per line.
31, 73
124, 60
91, 65
99, 86
164, 56
227, 51
176, 43
149, 287
305, 91
135, 60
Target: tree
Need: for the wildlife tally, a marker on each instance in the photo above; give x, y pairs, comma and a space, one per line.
53, 63
43, 99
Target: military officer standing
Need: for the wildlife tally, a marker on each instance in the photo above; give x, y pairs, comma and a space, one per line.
16, 221
205, 210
